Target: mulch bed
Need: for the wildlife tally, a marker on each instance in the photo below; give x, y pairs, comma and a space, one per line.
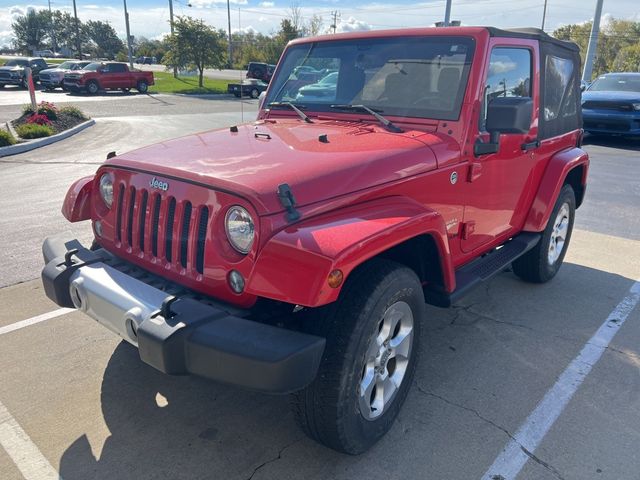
63, 122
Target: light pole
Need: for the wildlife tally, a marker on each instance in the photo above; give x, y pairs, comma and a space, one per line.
53, 35
175, 69
544, 15
230, 48
447, 13
593, 43
78, 43
126, 22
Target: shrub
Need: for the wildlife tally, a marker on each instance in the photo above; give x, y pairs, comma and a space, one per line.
39, 119
27, 109
72, 111
48, 109
6, 138
33, 130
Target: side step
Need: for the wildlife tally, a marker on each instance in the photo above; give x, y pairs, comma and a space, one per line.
482, 269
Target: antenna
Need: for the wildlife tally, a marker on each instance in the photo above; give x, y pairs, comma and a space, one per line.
241, 100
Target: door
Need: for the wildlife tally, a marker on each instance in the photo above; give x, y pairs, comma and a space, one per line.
498, 182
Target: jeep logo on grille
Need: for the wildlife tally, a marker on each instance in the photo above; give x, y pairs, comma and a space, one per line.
155, 183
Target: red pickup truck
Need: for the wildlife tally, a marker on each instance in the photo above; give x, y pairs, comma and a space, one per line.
296, 254
107, 76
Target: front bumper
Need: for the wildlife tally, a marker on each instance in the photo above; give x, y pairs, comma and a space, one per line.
595, 121
51, 83
11, 81
178, 335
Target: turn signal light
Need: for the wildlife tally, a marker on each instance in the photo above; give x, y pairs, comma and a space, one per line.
335, 278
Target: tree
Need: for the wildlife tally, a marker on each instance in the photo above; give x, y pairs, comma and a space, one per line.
31, 31
195, 44
287, 31
64, 26
104, 37
314, 26
617, 42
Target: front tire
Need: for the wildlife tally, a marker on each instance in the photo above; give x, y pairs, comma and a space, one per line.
372, 334
255, 93
93, 87
541, 263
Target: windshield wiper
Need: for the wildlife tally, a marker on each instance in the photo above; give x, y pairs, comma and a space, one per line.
292, 107
387, 123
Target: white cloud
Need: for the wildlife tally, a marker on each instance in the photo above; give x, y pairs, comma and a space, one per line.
267, 4
501, 67
353, 25
248, 29
210, 3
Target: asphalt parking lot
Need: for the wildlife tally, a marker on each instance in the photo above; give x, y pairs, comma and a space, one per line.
76, 404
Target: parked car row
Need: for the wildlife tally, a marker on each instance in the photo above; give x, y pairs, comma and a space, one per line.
76, 76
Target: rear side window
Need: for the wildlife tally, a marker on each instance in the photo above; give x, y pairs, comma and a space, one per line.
558, 89
509, 76
115, 68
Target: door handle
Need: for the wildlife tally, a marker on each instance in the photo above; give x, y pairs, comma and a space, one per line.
530, 145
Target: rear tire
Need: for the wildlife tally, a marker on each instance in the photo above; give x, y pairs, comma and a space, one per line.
373, 334
541, 263
255, 93
142, 86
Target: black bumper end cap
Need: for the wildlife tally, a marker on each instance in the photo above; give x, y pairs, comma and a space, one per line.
208, 342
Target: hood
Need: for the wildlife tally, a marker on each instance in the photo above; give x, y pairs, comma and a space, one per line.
603, 96
15, 68
55, 70
253, 161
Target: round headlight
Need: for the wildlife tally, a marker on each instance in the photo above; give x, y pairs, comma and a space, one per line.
106, 189
240, 229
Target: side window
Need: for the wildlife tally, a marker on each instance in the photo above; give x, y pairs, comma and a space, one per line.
116, 68
509, 76
558, 94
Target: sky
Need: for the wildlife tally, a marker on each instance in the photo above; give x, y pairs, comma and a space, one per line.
150, 18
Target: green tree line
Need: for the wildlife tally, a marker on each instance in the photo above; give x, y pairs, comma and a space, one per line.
618, 45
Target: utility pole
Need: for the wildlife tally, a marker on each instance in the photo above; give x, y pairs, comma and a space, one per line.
175, 69
336, 15
126, 23
593, 43
78, 43
53, 35
544, 15
447, 13
230, 47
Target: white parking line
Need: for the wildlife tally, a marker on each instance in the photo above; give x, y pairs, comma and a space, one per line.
24, 453
32, 321
516, 453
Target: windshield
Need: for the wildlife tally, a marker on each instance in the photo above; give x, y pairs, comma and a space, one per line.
67, 65
93, 67
404, 76
17, 63
616, 83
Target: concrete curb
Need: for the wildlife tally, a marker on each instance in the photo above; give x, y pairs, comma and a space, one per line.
41, 142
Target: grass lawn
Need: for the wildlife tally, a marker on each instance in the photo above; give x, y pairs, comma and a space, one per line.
165, 83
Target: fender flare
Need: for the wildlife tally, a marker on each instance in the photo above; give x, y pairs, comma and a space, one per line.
77, 202
295, 263
555, 176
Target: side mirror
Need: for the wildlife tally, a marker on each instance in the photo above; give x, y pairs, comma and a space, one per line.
505, 115
261, 98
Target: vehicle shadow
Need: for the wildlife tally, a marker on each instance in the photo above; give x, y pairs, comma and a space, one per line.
624, 143
183, 427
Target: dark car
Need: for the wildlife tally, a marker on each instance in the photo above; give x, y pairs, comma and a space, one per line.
611, 104
322, 91
51, 78
12, 73
261, 71
250, 87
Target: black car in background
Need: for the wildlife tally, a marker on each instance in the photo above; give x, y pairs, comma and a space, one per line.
12, 72
251, 87
260, 71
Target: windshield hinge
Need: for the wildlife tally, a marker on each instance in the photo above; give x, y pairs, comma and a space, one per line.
288, 201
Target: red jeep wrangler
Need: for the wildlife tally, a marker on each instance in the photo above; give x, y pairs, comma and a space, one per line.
295, 254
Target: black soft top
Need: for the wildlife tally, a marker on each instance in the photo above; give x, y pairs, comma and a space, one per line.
532, 33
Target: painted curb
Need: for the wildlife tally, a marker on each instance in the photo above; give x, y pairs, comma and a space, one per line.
41, 142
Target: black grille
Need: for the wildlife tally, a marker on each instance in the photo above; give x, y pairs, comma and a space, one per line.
202, 236
169, 231
143, 219
119, 213
607, 105
132, 202
155, 221
184, 234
